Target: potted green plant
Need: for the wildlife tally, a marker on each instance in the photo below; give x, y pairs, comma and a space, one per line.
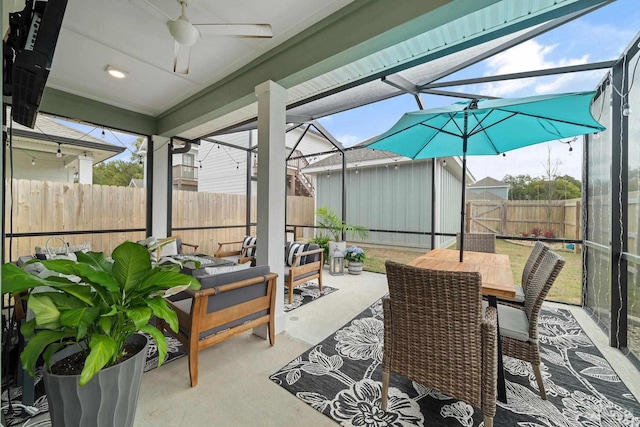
355, 257
328, 220
92, 309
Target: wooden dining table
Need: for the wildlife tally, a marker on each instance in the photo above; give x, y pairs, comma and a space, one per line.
497, 281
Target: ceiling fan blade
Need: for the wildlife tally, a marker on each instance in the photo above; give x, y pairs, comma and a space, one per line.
181, 58
260, 31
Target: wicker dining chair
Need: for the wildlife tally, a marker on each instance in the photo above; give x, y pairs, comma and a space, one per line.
435, 333
519, 326
478, 242
531, 266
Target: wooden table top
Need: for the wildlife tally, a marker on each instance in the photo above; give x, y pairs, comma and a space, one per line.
495, 269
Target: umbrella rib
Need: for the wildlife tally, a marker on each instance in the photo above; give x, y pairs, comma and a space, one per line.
551, 119
475, 129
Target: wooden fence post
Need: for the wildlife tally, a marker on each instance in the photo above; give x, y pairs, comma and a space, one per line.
467, 225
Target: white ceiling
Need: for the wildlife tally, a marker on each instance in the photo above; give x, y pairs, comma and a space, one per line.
319, 47
132, 36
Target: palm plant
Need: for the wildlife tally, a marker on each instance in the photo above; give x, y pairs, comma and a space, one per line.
328, 220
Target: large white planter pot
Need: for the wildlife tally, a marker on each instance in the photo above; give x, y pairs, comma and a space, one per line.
109, 399
355, 267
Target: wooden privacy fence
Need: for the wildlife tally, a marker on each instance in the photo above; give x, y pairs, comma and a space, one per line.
59, 208
517, 217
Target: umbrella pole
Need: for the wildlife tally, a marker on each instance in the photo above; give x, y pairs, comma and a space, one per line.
464, 190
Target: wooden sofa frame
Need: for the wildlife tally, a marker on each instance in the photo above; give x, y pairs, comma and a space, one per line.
302, 273
233, 253
196, 318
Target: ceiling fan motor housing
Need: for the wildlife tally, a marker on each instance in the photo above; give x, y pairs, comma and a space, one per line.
183, 31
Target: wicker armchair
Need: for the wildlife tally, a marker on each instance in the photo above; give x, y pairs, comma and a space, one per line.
519, 326
533, 262
478, 242
435, 334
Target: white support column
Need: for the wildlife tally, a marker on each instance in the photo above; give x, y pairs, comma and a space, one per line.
160, 204
85, 169
439, 195
271, 189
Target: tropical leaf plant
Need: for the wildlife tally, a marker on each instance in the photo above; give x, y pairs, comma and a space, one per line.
329, 220
95, 303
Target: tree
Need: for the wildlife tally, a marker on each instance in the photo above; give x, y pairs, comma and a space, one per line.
524, 187
518, 186
117, 172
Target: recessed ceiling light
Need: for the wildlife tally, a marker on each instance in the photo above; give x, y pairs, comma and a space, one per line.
114, 72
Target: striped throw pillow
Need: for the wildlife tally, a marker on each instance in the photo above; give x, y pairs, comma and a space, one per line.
248, 241
293, 249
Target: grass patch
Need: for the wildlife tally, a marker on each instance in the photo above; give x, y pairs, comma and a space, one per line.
567, 288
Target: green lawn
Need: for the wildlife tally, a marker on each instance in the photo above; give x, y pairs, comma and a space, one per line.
566, 288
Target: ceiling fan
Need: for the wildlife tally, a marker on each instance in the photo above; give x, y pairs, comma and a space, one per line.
187, 34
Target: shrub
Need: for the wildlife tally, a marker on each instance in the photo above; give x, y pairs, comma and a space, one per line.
537, 232
354, 254
550, 233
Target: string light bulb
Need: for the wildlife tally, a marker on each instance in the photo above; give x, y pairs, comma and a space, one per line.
504, 154
626, 109
444, 162
200, 163
596, 135
356, 171
33, 161
328, 174
59, 152
103, 135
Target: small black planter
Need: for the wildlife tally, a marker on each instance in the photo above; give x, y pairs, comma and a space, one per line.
109, 399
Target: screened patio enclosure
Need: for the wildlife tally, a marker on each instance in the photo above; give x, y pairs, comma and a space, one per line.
612, 199
612, 162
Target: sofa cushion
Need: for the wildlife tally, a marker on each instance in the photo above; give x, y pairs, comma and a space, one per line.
314, 257
513, 322
230, 298
294, 248
287, 271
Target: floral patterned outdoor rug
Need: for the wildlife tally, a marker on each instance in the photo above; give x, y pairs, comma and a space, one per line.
341, 377
304, 294
175, 350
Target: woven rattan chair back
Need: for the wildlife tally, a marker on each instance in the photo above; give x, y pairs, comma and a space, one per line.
533, 262
538, 288
434, 333
478, 242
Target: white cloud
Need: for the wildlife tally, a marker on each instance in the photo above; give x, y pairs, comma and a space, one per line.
529, 161
528, 56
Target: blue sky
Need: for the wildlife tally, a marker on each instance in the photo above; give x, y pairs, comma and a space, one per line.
599, 36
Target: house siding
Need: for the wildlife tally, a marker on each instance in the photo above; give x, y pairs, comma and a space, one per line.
43, 170
502, 192
450, 199
224, 169
385, 199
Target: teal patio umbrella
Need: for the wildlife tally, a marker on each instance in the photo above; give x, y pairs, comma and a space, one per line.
488, 126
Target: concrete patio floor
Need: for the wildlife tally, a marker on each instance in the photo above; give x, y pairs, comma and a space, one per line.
234, 387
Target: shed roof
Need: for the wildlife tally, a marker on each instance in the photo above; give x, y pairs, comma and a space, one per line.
489, 182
